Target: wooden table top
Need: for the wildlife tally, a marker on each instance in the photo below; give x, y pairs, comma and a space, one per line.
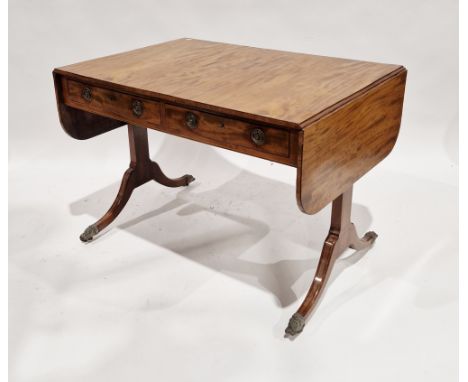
289, 89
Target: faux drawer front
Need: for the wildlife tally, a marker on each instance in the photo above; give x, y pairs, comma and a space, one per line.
109, 103
228, 133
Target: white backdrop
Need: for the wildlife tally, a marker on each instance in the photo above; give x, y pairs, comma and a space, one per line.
199, 284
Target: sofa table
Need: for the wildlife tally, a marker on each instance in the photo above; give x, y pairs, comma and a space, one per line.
333, 119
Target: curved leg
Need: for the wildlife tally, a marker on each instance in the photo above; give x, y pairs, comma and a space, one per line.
141, 170
357, 243
126, 188
342, 235
161, 178
325, 265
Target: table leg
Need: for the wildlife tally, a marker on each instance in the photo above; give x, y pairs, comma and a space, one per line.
142, 169
342, 234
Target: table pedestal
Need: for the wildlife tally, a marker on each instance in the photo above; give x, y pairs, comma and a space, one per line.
142, 169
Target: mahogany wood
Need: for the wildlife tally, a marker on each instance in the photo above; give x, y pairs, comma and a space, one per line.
80, 124
233, 134
342, 234
333, 119
112, 104
342, 146
275, 87
142, 169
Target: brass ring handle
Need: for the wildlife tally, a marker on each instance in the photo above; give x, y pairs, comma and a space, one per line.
86, 94
258, 136
191, 120
137, 108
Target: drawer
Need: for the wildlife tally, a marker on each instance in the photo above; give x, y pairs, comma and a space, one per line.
113, 104
262, 141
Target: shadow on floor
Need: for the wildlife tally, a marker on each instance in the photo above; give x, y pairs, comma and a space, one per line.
231, 220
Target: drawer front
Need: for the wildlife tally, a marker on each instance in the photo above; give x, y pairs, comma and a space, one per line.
265, 142
113, 104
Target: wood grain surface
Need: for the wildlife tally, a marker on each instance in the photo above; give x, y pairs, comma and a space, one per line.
113, 104
281, 88
77, 123
342, 146
333, 119
230, 133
